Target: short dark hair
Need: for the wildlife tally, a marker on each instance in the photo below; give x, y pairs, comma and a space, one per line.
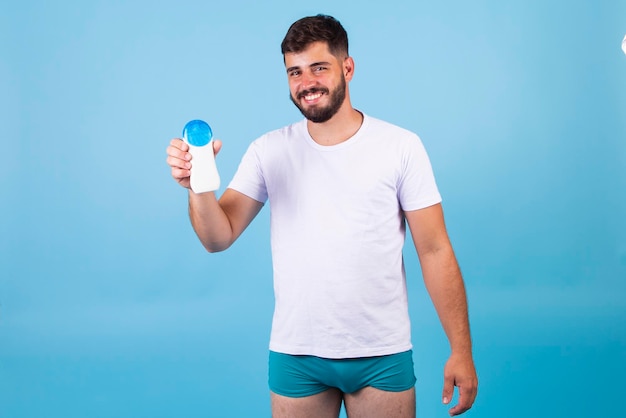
320, 28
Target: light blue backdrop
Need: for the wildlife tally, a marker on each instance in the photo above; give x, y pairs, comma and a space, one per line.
109, 307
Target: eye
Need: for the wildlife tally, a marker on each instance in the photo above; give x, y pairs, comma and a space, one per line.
294, 73
319, 68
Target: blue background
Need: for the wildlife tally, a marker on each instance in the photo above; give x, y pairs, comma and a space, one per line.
109, 306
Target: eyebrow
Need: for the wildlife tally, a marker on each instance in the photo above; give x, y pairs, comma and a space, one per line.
315, 64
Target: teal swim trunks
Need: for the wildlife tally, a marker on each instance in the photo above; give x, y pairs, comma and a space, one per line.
297, 376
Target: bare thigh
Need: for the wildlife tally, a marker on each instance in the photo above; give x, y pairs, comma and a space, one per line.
322, 405
375, 403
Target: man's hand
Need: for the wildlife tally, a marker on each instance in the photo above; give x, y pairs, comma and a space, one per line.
179, 159
460, 372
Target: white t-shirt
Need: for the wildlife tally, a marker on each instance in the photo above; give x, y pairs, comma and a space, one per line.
337, 232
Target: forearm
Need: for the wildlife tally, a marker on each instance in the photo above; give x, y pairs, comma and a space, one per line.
210, 221
444, 283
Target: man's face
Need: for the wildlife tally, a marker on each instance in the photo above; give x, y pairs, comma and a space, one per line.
317, 85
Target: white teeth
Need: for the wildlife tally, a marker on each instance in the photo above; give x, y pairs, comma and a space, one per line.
313, 96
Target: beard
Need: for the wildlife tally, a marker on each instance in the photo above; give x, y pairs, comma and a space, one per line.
319, 114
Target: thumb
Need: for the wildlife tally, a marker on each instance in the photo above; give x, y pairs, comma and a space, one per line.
448, 389
217, 146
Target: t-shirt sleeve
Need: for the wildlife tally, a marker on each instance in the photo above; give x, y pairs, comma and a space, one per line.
417, 188
249, 178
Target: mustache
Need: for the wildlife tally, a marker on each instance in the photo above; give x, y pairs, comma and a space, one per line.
312, 91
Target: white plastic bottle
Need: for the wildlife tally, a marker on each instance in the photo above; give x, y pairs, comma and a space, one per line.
204, 175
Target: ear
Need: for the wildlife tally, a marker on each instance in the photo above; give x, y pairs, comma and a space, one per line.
348, 68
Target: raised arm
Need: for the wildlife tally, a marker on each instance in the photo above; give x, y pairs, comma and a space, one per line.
444, 283
217, 223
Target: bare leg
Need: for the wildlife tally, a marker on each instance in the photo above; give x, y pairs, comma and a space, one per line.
323, 405
370, 402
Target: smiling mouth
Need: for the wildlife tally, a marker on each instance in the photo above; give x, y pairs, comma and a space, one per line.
312, 95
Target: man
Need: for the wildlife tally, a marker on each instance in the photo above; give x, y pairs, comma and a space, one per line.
341, 186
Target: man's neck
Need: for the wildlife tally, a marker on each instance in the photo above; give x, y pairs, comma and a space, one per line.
341, 127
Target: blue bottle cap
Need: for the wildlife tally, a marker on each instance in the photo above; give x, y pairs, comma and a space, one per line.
197, 133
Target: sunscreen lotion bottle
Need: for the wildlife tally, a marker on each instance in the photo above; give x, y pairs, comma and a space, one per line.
204, 175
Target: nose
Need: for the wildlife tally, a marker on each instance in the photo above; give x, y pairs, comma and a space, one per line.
307, 80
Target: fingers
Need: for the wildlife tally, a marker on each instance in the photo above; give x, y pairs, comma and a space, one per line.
178, 149
178, 143
217, 146
466, 400
460, 372
179, 160
178, 155
448, 389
